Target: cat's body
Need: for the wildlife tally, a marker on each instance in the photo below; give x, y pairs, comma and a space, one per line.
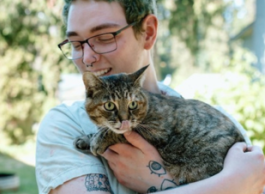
192, 137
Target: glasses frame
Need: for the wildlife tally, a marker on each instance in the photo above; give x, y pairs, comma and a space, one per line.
66, 41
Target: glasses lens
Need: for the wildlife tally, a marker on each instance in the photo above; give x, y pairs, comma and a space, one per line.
72, 50
103, 43
100, 44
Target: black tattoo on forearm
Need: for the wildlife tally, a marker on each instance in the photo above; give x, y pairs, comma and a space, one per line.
152, 189
156, 168
97, 182
166, 185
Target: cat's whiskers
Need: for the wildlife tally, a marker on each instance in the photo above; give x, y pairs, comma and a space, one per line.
144, 128
134, 123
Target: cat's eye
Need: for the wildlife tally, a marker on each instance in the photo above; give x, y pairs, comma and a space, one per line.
109, 106
133, 105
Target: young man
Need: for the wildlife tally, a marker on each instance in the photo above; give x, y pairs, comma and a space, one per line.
109, 37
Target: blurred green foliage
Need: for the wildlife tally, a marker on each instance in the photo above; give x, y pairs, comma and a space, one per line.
242, 95
191, 20
30, 64
192, 35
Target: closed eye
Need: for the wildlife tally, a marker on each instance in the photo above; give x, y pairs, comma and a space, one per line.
76, 46
104, 39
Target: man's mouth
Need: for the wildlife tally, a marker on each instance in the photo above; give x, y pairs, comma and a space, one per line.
102, 72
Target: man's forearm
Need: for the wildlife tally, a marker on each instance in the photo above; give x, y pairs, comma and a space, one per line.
218, 184
90, 184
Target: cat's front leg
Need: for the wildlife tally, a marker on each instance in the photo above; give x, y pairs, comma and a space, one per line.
82, 143
103, 139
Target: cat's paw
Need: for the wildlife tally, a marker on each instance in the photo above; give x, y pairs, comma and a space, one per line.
82, 143
97, 148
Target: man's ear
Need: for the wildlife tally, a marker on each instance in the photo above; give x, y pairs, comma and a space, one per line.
150, 24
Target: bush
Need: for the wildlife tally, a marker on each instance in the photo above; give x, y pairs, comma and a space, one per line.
242, 96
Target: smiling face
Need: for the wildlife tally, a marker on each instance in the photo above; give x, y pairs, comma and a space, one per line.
90, 18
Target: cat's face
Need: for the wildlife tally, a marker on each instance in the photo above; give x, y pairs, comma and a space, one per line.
116, 101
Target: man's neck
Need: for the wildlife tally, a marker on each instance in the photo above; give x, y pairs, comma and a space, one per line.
150, 83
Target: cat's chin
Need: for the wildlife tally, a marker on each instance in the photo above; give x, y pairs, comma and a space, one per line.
119, 131
124, 127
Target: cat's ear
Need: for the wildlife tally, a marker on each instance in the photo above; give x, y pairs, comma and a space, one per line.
92, 82
138, 76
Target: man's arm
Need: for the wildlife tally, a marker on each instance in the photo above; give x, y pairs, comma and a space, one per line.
91, 183
58, 162
234, 178
243, 173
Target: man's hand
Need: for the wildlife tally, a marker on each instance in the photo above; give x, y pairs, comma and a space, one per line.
248, 167
135, 167
138, 166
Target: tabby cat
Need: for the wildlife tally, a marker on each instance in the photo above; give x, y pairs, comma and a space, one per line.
191, 136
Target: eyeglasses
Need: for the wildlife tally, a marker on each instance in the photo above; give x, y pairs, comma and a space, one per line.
102, 43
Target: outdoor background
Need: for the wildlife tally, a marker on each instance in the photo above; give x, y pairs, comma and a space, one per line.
210, 50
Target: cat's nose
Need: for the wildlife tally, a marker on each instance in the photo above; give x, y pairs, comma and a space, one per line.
123, 117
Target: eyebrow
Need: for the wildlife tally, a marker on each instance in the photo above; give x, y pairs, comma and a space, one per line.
94, 29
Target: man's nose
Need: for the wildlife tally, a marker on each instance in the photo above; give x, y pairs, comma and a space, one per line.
89, 55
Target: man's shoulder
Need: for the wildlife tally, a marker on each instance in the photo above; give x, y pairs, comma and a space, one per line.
167, 90
71, 106
72, 109
69, 116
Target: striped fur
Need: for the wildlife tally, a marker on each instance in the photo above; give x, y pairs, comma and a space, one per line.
191, 136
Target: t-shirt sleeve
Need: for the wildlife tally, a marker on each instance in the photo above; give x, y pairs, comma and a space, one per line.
56, 159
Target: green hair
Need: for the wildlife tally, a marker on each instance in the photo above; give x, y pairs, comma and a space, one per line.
135, 10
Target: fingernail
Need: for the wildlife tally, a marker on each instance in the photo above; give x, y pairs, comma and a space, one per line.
127, 133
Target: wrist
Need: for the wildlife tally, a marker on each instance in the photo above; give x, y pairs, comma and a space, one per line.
160, 180
227, 182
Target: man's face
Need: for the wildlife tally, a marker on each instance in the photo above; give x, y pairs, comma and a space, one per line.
90, 18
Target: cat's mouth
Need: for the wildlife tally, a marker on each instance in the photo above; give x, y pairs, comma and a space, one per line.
125, 127
102, 72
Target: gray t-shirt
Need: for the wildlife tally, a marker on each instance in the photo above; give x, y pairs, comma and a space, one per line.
56, 159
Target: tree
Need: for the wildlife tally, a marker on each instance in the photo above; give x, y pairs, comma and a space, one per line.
196, 39
30, 64
200, 25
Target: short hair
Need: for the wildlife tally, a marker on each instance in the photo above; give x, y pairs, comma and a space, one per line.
135, 10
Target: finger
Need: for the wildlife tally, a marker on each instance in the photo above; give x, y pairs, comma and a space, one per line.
139, 142
109, 154
112, 165
249, 148
242, 146
256, 149
258, 153
122, 148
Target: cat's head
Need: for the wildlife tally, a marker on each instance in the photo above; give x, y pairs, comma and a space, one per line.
116, 101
